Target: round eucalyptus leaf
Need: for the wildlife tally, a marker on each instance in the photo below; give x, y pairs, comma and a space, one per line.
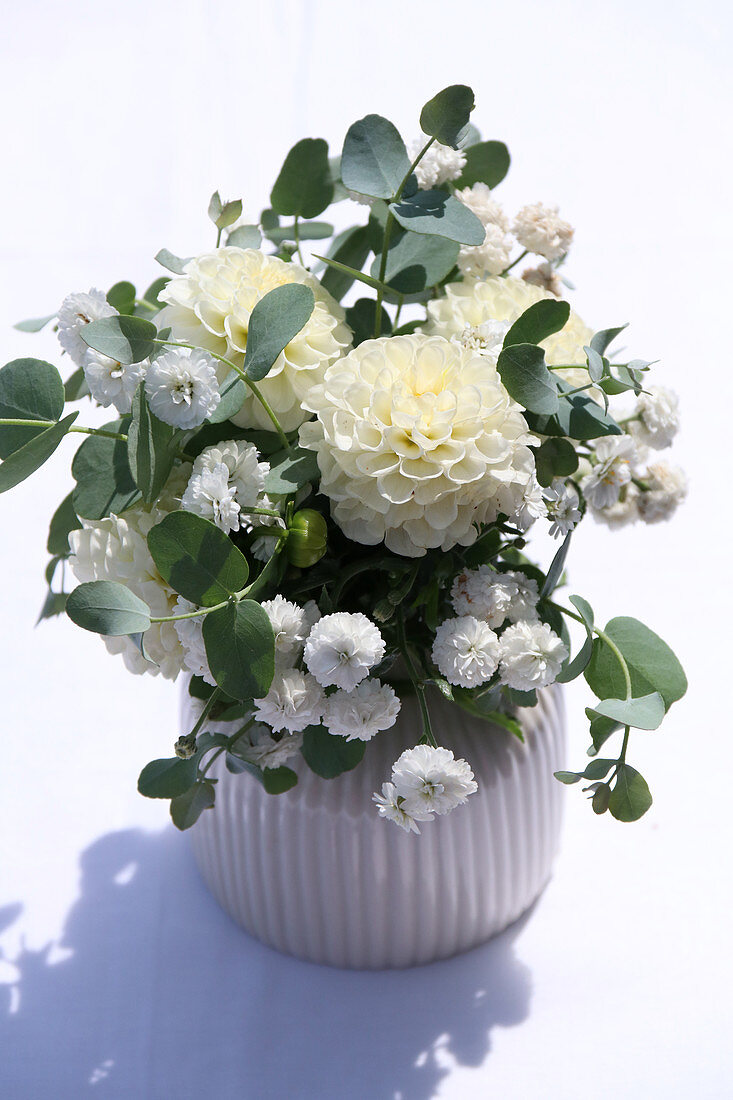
486, 162
240, 647
197, 559
541, 320
304, 186
526, 378
124, 339
446, 116
439, 214
30, 389
374, 160
276, 319
109, 608
652, 664
28, 458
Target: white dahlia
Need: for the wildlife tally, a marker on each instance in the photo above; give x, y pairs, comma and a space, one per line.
475, 301
115, 549
417, 443
211, 304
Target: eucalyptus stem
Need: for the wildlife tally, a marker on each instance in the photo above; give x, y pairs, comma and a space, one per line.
416, 682
208, 705
296, 234
514, 263
198, 613
604, 638
19, 423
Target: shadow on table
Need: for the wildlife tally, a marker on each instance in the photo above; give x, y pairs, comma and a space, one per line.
159, 994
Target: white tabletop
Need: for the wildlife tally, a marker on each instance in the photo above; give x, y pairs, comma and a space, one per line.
119, 975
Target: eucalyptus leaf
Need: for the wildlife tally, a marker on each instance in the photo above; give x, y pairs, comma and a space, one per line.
445, 117
439, 214
585, 611
578, 664
150, 449
240, 647
278, 780
290, 470
351, 249
53, 605
63, 522
652, 664
34, 324
486, 162
361, 319
600, 730
304, 186
276, 319
176, 264
601, 340
104, 480
187, 808
197, 559
167, 778
122, 297
541, 320
630, 798
30, 389
232, 391
28, 458
555, 457
643, 713
577, 417
245, 236
75, 386
108, 608
556, 567
124, 339
374, 160
526, 378
416, 262
329, 755
152, 293
305, 231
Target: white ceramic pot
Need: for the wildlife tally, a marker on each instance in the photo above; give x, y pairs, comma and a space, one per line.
316, 873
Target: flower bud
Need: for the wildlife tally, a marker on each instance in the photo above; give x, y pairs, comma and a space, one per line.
306, 542
185, 747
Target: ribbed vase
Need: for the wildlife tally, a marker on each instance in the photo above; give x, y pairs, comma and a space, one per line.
316, 873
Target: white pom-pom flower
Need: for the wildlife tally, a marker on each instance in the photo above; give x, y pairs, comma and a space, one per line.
293, 702
259, 747
76, 311
431, 780
418, 442
466, 651
440, 165
211, 304
533, 505
616, 462
391, 807
182, 388
531, 656
563, 507
659, 420
237, 483
540, 229
290, 625
190, 635
493, 256
363, 712
342, 648
475, 301
110, 382
667, 488
209, 494
494, 597
544, 276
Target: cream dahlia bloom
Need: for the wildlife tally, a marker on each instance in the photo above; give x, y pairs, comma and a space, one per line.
211, 304
475, 301
115, 549
417, 443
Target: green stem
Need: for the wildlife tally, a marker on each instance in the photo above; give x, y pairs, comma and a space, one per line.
296, 234
417, 683
218, 236
578, 389
205, 712
147, 305
514, 263
604, 638
259, 512
268, 568
50, 424
198, 613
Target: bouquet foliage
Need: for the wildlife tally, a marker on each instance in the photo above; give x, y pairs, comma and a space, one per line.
316, 509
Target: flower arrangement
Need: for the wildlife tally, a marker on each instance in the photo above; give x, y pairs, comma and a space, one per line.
315, 510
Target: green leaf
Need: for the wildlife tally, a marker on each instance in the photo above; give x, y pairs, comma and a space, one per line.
240, 646
245, 236
277, 318
526, 378
416, 262
445, 117
578, 664
328, 755
605, 337
108, 608
289, 470
187, 808
176, 264
352, 273
351, 249
568, 777
304, 186
224, 214
152, 293
601, 799
63, 522
361, 318
168, 778
556, 457
597, 769
25, 461
30, 389
104, 480
278, 780
197, 559
233, 391
124, 339
578, 417
122, 297
652, 664
439, 214
556, 567
511, 725
585, 611
53, 605
538, 322
150, 449
600, 730
306, 231
486, 162
644, 713
75, 386
630, 798
374, 160
34, 324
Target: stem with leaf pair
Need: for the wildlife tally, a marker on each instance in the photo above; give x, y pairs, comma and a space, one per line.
51, 423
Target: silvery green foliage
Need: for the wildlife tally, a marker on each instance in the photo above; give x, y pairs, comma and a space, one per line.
307, 639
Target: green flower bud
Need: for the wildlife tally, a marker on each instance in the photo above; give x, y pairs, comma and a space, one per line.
185, 747
306, 543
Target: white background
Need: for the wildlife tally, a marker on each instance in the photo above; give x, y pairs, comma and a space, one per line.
120, 977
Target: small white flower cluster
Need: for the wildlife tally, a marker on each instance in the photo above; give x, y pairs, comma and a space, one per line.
228, 479
338, 652
425, 781
440, 165
180, 385
537, 228
495, 597
563, 507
